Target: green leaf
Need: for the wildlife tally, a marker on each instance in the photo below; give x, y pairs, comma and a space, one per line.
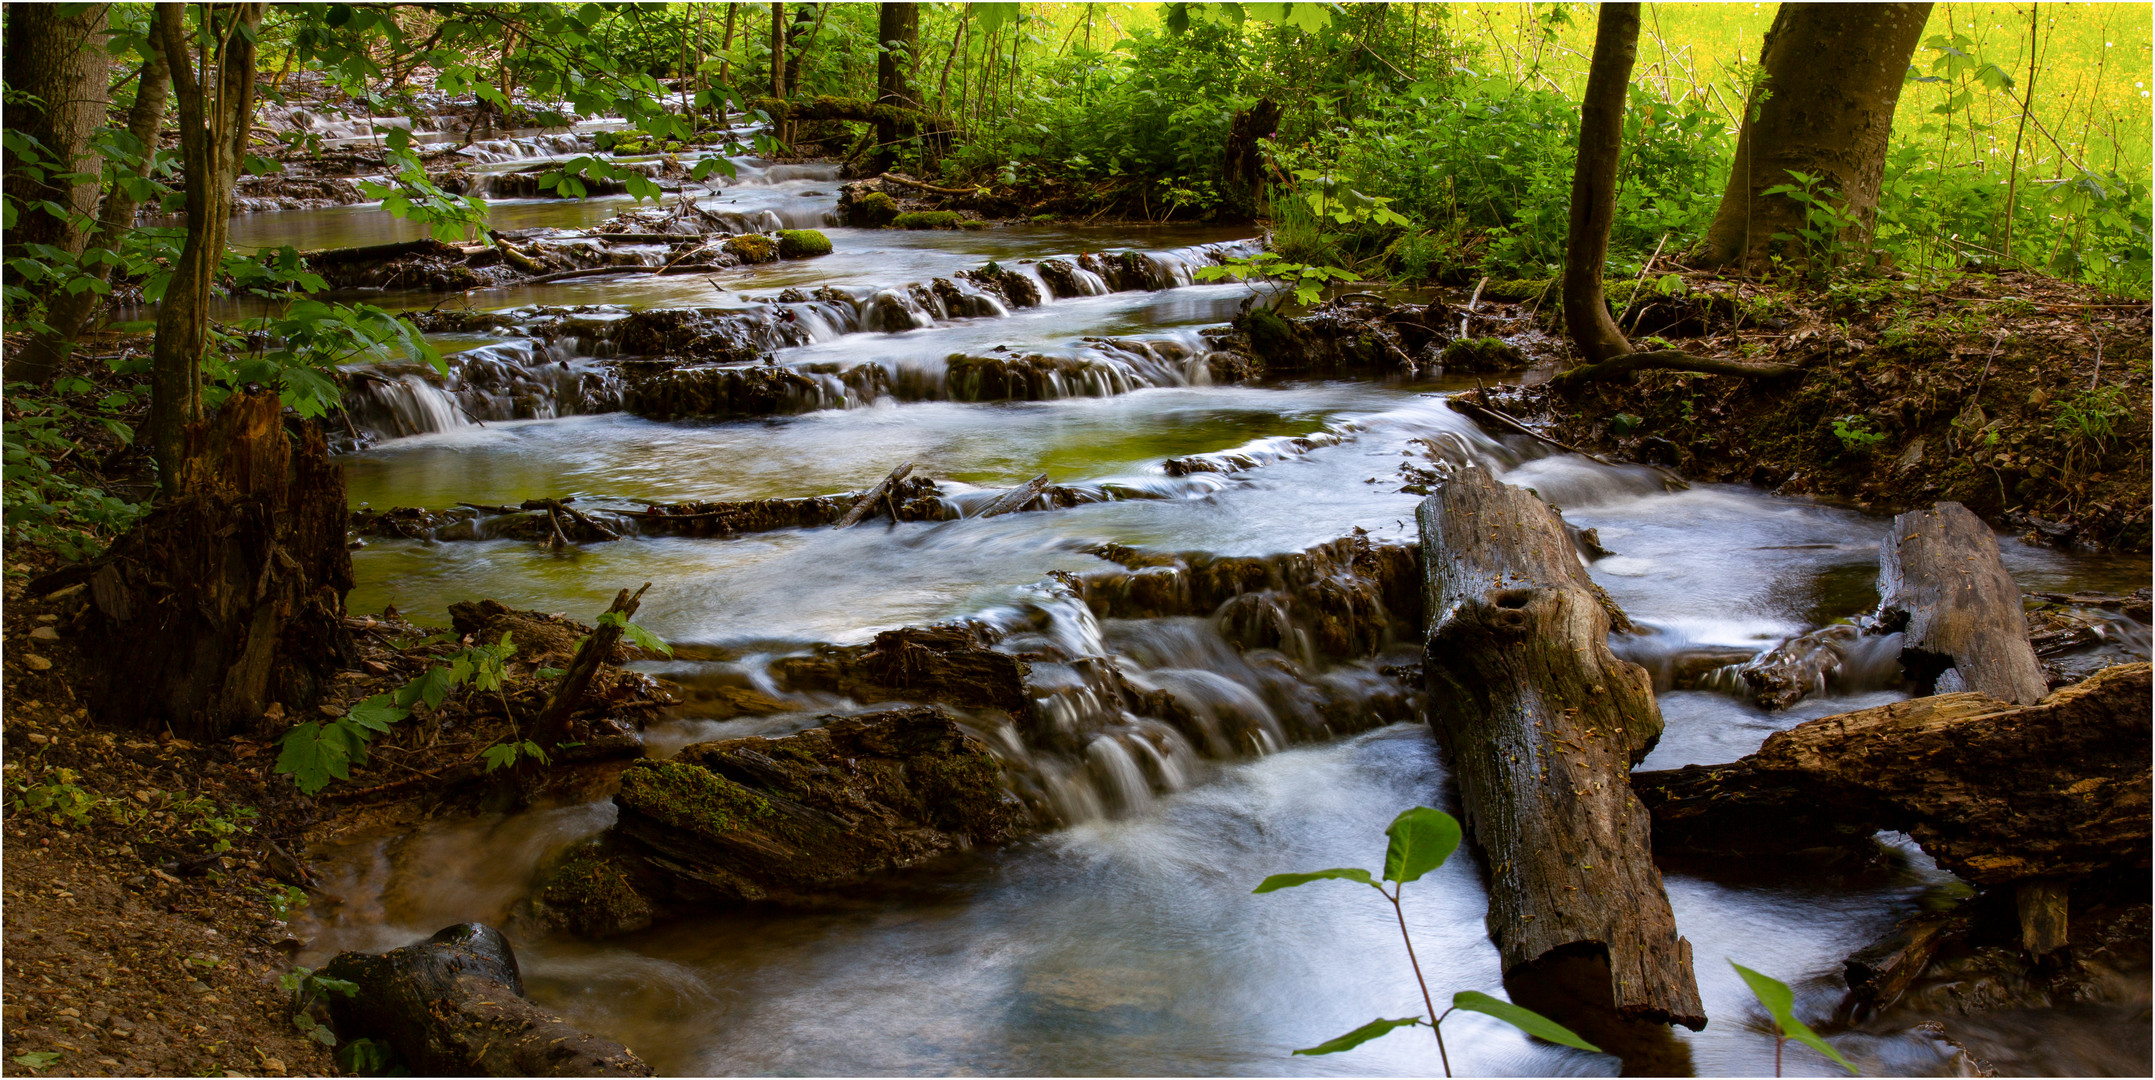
1518, 1016
1422, 838
37, 1060
1288, 881
1780, 1001
313, 755
1360, 1035
377, 713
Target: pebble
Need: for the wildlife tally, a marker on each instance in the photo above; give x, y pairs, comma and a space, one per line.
48, 617
35, 662
44, 633
329, 710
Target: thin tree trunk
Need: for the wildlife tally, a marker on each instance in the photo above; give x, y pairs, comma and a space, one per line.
806, 21
725, 67
215, 121
70, 313
2012, 183
778, 51
1593, 184
1825, 108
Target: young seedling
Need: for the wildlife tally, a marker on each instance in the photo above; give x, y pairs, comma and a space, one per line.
1780, 1001
1421, 839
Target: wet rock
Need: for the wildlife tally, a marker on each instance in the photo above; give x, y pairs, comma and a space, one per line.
949, 664
453, 1005
751, 248
1016, 289
744, 391
802, 243
785, 820
1336, 338
864, 204
1468, 356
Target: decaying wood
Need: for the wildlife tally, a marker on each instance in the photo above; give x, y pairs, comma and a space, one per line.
230, 595
1997, 793
1544, 724
1016, 498
593, 654
562, 508
1942, 581
897, 178
381, 252
867, 502
454, 1005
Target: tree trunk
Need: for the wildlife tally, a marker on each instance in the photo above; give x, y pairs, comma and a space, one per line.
70, 313
1941, 579
1543, 724
216, 117
1833, 76
1593, 184
1997, 793
778, 51
898, 34
797, 38
56, 54
453, 1005
229, 595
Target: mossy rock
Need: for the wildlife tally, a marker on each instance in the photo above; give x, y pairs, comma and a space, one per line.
872, 211
751, 248
591, 895
1481, 354
929, 219
802, 243
1271, 335
688, 797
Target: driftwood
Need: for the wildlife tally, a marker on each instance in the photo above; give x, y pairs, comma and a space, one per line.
380, 252
867, 502
1997, 793
1942, 580
593, 654
454, 1005
898, 178
1543, 724
1016, 498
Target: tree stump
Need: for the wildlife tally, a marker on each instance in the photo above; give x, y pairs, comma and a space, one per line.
1943, 582
1543, 724
453, 1005
230, 594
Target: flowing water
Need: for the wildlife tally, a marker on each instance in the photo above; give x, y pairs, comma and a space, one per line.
1125, 941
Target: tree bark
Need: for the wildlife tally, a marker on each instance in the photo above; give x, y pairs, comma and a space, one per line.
593, 654
216, 117
898, 34
1997, 793
1825, 106
1943, 582
778, 51
867, 502
1593, 184
56, 55
798, 36
1543, 724
229, 595
69, 314
453, 1005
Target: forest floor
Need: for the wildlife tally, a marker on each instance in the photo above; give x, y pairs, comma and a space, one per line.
2021, 396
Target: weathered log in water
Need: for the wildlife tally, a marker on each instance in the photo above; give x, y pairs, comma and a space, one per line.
1543, 724
1997, 793
949, 664
1942, 581
1341, 600
454, 1005
784, 820
229, 596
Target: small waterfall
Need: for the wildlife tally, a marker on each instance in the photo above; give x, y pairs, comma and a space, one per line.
399, 405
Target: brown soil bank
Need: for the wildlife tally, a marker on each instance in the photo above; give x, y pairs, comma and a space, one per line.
2022, 397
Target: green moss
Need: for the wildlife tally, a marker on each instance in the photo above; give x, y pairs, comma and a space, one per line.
872, 211
689, 797
1482, 354
1270, 334
1520, 290
593, 896
928, 219
751, 248
802, 243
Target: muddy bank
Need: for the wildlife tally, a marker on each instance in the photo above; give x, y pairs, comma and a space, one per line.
2021, 397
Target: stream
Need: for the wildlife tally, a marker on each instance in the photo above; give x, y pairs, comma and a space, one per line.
1125, 941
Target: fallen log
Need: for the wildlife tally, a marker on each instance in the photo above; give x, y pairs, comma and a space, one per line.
1016, 498
1543, 724
380, 252
1997, 793
867, 502
1944, 585
900, 178
454, 1005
